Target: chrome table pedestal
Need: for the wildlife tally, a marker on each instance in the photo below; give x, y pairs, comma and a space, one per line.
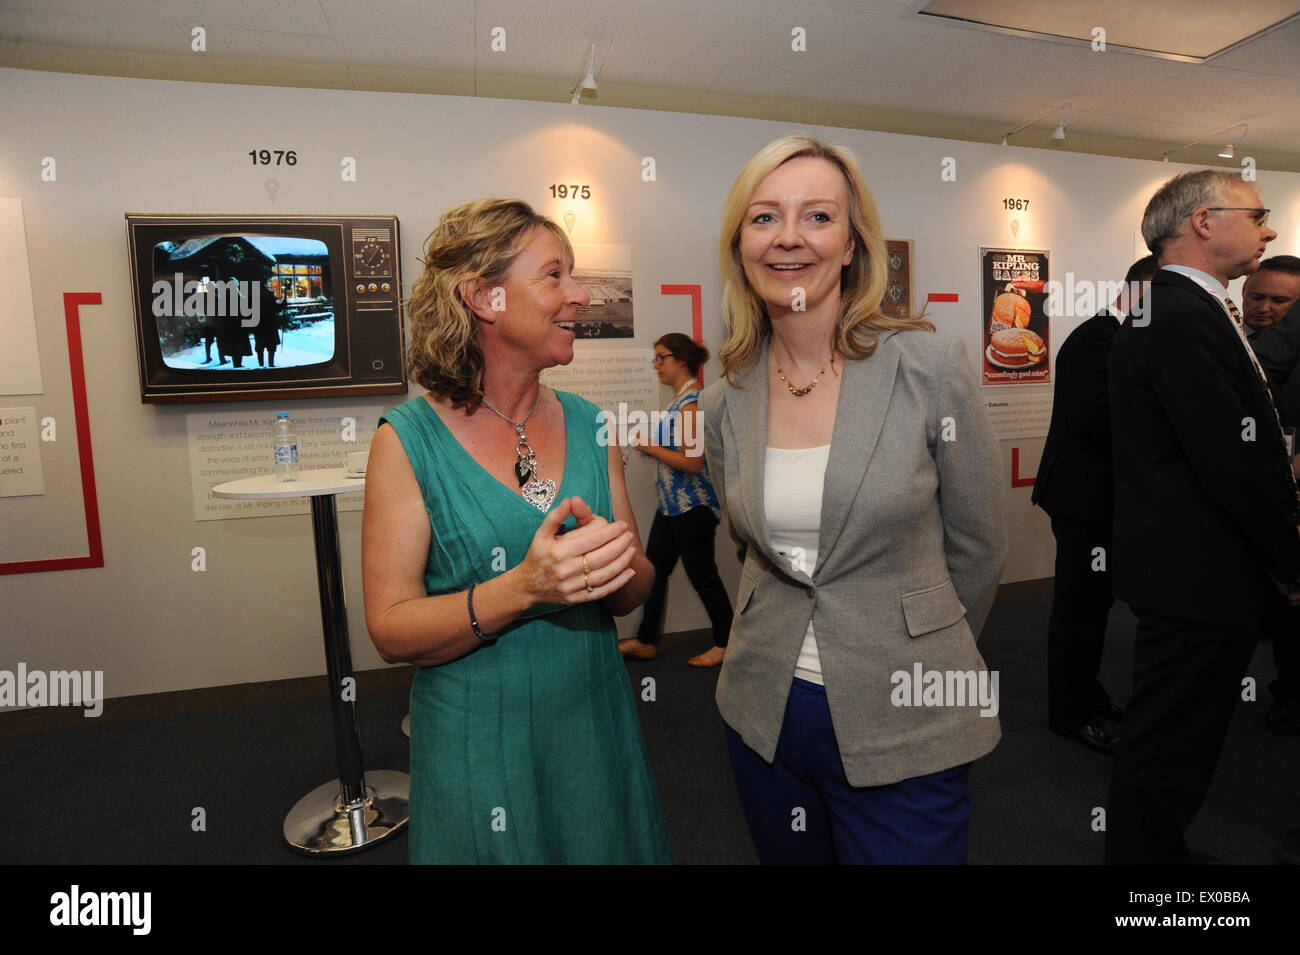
358, 809
321, 823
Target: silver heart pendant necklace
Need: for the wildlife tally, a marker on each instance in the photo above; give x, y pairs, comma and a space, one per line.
539, 492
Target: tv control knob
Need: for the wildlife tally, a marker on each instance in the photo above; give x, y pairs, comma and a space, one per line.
374, 287
386, 287
361, 289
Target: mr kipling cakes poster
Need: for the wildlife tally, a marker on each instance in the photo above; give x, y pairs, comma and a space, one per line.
1016, 335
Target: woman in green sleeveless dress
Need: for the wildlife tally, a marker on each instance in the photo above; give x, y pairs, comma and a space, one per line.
497, 542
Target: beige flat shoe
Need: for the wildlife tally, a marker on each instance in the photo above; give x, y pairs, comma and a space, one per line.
704, 660
629, 648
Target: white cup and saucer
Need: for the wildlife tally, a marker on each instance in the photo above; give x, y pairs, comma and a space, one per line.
354, 463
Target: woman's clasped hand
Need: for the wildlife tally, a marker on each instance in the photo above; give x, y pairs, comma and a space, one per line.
579, 566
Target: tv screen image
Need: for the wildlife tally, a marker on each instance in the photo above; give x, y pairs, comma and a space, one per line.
246, 301
245, 307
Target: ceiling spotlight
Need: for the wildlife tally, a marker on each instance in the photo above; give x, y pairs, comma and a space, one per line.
589, 81
1227, 152
1058, 134
587, 85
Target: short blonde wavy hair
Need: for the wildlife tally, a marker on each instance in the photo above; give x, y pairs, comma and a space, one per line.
862, 281
474, 240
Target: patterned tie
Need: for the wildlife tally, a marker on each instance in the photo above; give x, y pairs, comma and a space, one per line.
1263, 380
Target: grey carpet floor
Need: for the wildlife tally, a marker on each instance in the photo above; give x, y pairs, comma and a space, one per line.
123, 790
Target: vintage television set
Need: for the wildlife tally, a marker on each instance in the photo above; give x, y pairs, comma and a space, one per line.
242, 307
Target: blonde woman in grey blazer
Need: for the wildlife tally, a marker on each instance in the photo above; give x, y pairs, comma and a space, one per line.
863, 483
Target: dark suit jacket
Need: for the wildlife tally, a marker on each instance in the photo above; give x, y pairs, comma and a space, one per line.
1199, 512
1278, 350
1074, 478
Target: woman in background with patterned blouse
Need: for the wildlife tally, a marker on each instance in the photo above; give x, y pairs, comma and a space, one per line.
687, 517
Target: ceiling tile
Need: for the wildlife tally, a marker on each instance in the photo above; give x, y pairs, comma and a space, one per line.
547, 38
1277, 52
98, 33
1199, 28
296, 16
706, 36
940, 59
273, 47
1005, 114
749, 82
441, 25
384, 53
836, 44
121, 9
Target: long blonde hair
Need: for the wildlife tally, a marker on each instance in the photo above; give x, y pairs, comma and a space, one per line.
862, 281
474, 240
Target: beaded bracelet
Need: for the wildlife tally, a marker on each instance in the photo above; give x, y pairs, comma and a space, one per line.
473, 621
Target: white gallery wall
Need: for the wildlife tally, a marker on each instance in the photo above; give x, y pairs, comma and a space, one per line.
150, 621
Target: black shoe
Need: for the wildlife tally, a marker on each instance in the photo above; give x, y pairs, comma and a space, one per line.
1106, 707
1091, 735
1283, 718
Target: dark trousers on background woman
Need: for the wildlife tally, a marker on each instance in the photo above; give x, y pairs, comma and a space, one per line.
689, 536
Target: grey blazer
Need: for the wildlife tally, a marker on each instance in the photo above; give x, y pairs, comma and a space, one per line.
912, 546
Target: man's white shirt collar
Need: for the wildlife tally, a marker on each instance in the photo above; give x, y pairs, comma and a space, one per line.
1205, 281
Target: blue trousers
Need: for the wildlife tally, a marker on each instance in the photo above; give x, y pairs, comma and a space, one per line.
801, 809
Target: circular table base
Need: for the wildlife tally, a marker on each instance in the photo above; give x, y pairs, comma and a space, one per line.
320, 825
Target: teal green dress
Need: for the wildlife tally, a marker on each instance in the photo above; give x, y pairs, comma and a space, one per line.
528, 749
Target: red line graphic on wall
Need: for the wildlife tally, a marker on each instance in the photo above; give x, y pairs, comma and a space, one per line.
1016, 479
697, 311
72, 302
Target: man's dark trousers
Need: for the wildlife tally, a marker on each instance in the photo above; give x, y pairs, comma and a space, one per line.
1186, 683
1081, 606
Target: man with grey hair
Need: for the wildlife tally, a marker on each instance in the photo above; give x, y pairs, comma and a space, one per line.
1206, 508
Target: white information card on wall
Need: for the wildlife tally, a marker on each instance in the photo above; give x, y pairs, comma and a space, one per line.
1019, 414
20, 364
20, 454
233, 445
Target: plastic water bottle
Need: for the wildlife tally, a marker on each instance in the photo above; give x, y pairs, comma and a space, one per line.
286, 448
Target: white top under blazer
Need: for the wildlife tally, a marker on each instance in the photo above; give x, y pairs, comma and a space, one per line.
792, 499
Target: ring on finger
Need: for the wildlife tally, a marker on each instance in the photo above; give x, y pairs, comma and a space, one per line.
586, 570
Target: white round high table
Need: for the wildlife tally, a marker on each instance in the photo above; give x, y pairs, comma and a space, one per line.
358, 809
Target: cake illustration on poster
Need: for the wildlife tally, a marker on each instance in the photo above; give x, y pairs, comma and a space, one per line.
1015, 328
